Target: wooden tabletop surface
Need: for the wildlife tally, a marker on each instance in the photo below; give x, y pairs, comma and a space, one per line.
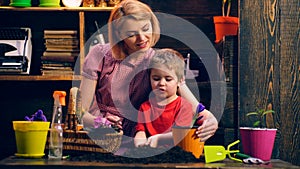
14, 162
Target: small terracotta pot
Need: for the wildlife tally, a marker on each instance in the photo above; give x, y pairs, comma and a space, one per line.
258, 142
224, 26
187, 140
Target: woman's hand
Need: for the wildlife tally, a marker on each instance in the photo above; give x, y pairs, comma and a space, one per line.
208, 127
115, 120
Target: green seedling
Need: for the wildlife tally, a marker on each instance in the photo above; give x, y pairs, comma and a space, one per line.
260, 114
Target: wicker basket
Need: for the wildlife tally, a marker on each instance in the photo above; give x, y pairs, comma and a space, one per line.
102, 139
94, 142
82, 141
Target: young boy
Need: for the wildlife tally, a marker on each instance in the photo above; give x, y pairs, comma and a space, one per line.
164, 107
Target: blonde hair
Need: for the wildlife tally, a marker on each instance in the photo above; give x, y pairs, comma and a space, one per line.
170, 58
134, 10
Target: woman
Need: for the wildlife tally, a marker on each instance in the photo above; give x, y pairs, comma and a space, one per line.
116, 73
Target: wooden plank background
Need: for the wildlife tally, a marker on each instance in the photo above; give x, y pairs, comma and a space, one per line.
269, 69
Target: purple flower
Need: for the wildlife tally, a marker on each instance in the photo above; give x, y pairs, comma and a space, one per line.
37, 116
101, 122
27, 118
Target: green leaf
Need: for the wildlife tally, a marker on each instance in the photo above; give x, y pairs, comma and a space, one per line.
251, 113
261, 111
256, 124
267, 112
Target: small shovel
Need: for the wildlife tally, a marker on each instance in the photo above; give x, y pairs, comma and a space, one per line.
218, 153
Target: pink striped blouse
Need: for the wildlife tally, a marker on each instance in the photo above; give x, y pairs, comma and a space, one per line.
121, 86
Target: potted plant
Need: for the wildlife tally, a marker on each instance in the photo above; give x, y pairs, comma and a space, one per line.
20, 3
225, 24
49, 3
258, 141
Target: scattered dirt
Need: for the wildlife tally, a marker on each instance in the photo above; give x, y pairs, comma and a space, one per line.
174, 155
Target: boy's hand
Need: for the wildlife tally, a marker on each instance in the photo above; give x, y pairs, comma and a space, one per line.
153, 140
140, 139
140, 142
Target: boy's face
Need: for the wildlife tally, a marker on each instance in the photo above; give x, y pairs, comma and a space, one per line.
164, 82
137, 35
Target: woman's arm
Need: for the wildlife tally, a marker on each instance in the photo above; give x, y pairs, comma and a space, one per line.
87, 88
188, 95
210, 123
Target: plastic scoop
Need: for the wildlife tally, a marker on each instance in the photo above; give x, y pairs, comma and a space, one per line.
218, 153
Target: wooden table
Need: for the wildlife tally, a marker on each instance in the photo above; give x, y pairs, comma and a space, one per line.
15, 163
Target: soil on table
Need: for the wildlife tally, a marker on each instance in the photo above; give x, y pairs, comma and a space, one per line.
173, 155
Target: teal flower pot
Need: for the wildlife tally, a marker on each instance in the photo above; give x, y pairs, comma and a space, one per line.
20, 3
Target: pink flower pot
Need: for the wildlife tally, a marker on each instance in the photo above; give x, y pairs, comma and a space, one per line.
258, 142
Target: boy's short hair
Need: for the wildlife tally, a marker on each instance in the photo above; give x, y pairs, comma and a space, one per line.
170, 58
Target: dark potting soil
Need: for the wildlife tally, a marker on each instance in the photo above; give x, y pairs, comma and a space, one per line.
174, 155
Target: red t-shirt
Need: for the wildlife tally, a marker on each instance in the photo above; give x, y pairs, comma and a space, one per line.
155, 119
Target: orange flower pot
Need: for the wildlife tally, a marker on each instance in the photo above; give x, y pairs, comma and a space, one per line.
224, 26
187, 140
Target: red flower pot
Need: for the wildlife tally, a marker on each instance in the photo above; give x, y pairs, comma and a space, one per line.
258, 142
225, 25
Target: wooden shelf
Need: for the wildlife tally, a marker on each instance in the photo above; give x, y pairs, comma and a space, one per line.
79, 9
39, 77
81, 13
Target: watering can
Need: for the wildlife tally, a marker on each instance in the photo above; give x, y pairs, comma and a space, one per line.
218, 153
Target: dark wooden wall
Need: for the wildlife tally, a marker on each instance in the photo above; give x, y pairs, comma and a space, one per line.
269, 69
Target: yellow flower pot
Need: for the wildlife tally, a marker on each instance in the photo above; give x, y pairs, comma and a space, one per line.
31, 138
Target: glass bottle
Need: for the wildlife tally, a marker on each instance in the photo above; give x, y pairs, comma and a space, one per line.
56, 130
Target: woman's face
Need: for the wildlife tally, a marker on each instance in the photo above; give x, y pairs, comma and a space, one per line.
137, 35
164, 83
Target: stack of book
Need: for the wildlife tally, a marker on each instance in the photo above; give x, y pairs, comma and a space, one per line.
61, 52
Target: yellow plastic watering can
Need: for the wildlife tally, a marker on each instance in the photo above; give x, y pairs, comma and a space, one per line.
218, 153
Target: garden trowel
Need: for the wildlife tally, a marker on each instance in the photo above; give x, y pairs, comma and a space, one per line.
218, 153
